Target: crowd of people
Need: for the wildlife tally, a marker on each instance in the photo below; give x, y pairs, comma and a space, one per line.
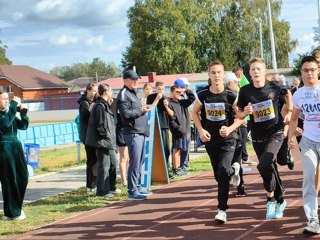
223, 112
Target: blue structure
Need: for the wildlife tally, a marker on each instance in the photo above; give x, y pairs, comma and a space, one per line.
48, 135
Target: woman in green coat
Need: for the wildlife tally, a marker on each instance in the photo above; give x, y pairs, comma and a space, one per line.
13, 166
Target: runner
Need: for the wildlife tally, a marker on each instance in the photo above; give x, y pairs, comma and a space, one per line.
261, 99
216, 128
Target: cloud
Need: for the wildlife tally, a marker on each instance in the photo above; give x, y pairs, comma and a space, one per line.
17, 16
94, 40
63, 39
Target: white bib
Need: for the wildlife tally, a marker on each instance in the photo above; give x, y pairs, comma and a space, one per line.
215, 111
263, 111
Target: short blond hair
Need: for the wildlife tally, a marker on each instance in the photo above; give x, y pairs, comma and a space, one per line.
257, 60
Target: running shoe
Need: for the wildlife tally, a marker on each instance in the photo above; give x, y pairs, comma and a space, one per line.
221, 217
271, 210
280, 209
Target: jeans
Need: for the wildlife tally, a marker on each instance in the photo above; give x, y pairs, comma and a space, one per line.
136, 148
310, 155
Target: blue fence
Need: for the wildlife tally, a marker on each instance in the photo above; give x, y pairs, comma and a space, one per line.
50, 134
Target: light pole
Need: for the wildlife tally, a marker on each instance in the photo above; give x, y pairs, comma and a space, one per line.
317, 29
260, 31
273, 51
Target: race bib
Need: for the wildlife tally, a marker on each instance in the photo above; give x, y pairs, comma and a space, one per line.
263, 111
215, 111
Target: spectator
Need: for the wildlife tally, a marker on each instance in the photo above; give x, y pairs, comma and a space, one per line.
135, 130
147, 90
84, 112
162, 102
101, 134
13, 165
179, 122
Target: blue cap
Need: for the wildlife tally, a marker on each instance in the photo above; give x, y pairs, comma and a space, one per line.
179, 83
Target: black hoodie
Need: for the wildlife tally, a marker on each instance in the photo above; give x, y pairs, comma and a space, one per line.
84, 114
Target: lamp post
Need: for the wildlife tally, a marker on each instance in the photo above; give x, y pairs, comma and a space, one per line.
317, 29
260, 33
273, 51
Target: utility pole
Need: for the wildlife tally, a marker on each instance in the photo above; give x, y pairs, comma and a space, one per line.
260, 31
273, 51
317, 29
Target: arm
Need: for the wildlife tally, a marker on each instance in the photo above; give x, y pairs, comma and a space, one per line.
23, 123
168, 109
225, 131
190, 99
204, 134
292, 127
84, 111
7, 119
126, 110
99, 112
288, 107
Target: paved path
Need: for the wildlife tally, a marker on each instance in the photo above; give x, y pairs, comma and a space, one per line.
185, 210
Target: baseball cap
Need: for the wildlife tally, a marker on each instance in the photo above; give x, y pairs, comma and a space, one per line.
179, 83
185, 81
130, 74
231, 77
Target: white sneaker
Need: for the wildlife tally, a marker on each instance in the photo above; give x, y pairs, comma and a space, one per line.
235, 179
91, 190
115, 192
21, 217
109, 195
5, 218
221, 217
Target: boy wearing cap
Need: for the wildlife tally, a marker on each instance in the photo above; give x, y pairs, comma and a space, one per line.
217, 130
135, 130
179, 122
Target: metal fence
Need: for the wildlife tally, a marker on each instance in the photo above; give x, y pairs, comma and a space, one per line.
47, 135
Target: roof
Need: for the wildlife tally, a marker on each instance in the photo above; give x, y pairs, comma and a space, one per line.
26, 77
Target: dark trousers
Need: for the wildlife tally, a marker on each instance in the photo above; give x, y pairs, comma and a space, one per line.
244, 140
237, 158
221, 155
184, 158
92, 166
165, 141
267, 153
107, 173
136, 145
284, 153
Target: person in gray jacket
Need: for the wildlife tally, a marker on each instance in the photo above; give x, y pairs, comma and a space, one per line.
135, 131
101, 134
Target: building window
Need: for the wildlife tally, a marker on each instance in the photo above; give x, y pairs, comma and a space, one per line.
10, 89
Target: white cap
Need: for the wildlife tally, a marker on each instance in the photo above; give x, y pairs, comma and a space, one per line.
185, 81
231, 77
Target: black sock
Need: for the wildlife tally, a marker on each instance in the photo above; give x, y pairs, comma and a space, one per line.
270, 199
280, 200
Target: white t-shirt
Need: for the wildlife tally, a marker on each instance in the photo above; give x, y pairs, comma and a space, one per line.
307, 99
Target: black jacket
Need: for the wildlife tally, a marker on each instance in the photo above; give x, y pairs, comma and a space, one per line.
180, 124
84, 114
132, 118
101, 131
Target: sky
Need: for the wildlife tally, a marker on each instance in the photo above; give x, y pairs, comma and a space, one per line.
49, 33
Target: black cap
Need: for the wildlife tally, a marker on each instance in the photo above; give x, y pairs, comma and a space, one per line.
130, 74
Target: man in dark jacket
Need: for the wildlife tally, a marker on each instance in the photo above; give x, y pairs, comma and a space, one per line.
84, 102
135, 131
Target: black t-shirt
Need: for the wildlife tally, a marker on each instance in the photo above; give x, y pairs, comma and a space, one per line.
162, 112
266, 119
216, 111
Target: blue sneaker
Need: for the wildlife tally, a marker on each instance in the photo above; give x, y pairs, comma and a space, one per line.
280, 208
137, 196
145, 192
271, 210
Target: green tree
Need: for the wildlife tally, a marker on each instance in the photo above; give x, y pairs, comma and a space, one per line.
3, 59
185, 35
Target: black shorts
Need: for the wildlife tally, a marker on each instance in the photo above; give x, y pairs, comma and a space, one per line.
120, 140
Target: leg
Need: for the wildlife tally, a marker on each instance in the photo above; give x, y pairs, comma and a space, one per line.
185, 152
124, 164
113, 170
92, 167
166, 147
103, 181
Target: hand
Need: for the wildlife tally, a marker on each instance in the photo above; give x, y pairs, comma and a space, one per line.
165, 103
110, 101
224, 131
248, 109
287, 118
204, 135
159, 96
298, 132
18, 100
291, 143
145, 109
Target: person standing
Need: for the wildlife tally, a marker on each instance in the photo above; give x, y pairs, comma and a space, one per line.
216, 128
260, 100
91, 169
101, 134
13, 164
135, 130
162, 102
306, 100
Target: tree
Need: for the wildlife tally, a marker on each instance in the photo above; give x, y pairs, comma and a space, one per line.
97, 69
185, 35
3, 59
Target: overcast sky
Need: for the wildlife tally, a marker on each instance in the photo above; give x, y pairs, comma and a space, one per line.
48, 33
